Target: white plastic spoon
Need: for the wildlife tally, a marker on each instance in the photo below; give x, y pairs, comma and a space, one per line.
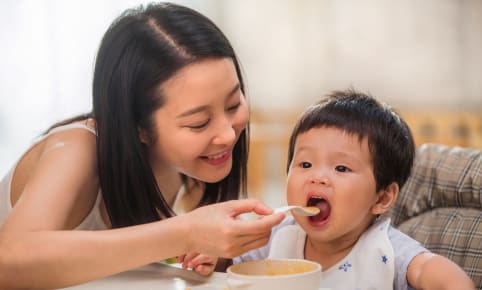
299, 210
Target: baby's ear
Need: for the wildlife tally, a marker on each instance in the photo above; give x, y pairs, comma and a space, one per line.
386, 198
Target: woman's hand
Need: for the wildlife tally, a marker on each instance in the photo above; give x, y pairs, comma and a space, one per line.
214, 229
200, 263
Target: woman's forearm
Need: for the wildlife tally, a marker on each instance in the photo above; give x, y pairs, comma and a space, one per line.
54, 259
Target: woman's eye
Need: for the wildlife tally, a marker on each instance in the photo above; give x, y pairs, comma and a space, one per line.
235, 107
305, 164
341, 168
198, 127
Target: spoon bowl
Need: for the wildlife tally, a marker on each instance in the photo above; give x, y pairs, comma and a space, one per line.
299, 210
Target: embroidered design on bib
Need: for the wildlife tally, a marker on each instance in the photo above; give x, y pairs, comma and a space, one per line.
345, 266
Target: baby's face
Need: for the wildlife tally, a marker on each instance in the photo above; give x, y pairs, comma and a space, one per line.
332, 170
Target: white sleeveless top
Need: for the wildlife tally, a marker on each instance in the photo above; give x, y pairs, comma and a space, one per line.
93, 221
369, 265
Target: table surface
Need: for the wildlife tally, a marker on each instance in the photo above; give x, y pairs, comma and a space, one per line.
157, 276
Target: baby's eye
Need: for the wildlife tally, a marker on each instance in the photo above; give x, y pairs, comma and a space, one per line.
305, 164
342, 168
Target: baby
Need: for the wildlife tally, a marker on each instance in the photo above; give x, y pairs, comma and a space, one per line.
349, 155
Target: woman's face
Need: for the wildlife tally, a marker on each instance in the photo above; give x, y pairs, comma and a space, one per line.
203, 115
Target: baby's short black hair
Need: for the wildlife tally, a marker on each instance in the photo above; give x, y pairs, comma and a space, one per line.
389, 138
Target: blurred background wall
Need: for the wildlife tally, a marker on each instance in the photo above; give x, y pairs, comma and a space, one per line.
422, 57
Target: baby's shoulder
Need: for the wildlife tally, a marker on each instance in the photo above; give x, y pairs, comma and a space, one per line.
401, 242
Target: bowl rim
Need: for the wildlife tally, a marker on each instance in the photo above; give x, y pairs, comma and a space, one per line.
317, 268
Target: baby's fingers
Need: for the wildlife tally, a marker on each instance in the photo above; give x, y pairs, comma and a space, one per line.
180, 259
204, 269
201, 260
186, 261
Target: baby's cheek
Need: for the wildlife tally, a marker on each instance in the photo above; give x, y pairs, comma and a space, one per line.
293, 195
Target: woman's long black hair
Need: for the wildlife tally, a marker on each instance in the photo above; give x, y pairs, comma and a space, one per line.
141, 49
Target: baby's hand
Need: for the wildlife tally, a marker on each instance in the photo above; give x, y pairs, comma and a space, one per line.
200, 263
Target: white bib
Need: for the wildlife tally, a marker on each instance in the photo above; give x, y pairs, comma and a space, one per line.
369, 265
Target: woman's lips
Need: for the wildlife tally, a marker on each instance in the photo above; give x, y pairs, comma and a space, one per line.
217, 159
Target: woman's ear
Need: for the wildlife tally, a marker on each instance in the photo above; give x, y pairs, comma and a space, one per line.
386, 198
143, 136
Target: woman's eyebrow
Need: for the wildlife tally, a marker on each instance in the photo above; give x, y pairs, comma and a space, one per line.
205, 107
234, 90
192, 111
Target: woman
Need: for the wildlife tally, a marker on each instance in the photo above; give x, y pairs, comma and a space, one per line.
98, 194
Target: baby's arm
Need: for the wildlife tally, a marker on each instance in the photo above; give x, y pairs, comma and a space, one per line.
430, 271
202, 264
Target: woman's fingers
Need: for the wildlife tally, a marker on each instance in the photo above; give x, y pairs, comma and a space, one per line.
246, 243
219, 233
254, 244
260, 225
248, 205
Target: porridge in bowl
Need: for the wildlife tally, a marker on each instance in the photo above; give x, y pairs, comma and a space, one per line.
281, 274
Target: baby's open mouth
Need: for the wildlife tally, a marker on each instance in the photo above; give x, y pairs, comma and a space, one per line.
323, 205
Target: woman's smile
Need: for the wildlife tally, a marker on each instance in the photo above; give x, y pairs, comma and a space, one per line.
217, 159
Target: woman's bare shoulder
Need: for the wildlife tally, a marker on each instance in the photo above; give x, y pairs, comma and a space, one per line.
57, 178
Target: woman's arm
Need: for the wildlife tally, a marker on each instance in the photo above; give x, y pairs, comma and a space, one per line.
53, 259
54, 188
430, 271
39, 249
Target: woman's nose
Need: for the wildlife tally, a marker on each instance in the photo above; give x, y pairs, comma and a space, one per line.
225, 132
